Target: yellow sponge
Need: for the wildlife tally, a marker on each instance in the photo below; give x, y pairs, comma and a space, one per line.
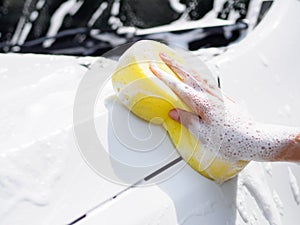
150, 99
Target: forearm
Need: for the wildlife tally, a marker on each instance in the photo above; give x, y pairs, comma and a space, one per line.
279, 143
262, 142
290, 152
276, 143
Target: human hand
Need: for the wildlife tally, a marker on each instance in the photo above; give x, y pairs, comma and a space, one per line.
219, 123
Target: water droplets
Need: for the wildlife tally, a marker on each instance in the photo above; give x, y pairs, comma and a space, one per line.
264, 60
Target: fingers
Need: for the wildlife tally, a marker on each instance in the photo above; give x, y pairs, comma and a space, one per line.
180, 72
194, 99
197, 84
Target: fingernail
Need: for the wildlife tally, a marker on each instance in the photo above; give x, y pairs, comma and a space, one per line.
165, 56
153, 69
174, 114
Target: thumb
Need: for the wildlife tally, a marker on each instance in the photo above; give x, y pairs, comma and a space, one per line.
183, 117
188, 119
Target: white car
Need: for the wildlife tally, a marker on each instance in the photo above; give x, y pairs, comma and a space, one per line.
45, 178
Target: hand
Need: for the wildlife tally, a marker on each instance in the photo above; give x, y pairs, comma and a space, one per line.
220, 124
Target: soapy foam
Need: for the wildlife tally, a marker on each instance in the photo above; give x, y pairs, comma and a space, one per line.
28, 172
278, 203
240, 205
268, 168
207, 208
252, 180
177, 6
242, 138
294, 186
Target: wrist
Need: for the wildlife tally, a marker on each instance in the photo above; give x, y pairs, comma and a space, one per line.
291, 151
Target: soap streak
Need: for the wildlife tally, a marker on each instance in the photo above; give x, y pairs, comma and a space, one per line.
254, 180
206, 209
294, 186
278, 203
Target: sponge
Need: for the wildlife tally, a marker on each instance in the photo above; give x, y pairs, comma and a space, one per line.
150, 99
